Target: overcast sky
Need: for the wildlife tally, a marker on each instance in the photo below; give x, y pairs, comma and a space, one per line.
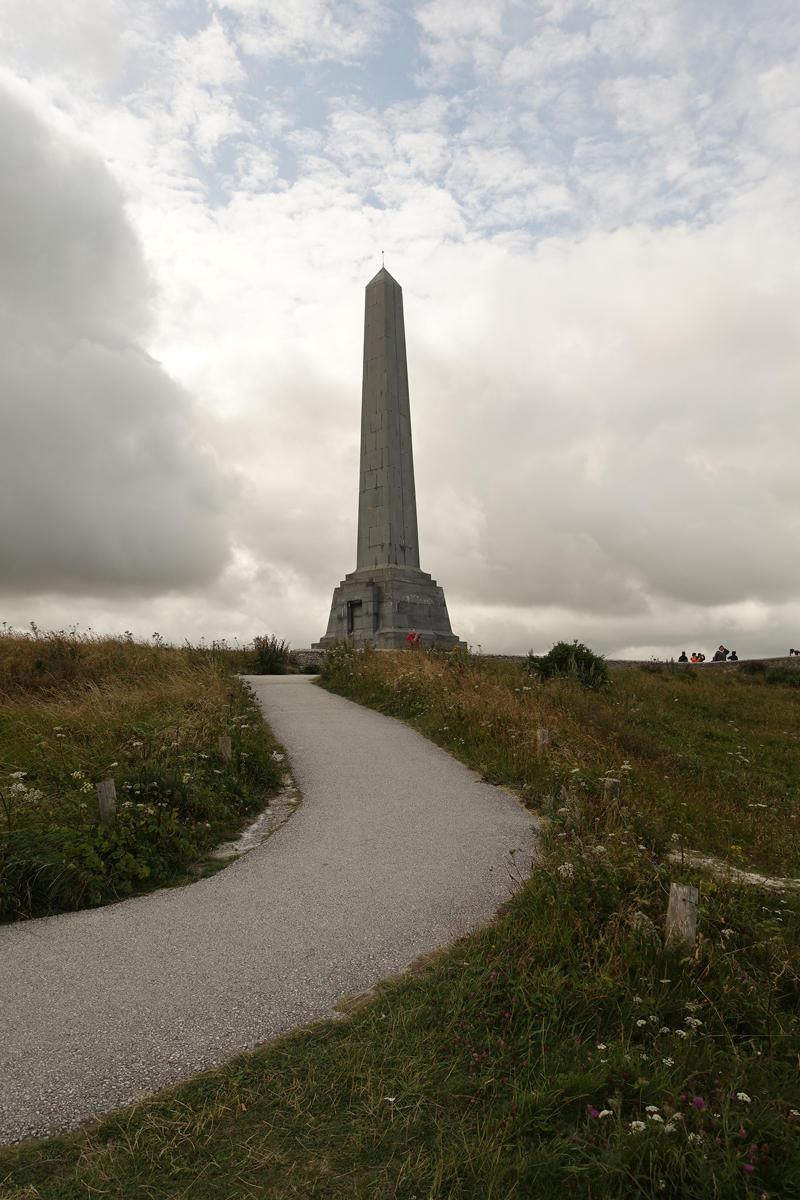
592, 208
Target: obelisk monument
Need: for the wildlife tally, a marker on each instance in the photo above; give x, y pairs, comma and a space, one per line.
387, 595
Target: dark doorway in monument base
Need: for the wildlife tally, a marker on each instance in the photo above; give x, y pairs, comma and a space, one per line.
353, 614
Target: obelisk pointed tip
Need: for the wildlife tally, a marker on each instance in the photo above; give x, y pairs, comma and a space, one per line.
382, 276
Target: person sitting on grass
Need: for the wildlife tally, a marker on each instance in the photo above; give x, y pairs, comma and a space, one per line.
683, 657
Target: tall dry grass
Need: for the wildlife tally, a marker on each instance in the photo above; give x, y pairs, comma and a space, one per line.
75, 710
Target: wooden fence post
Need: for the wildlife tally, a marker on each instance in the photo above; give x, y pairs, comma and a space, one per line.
611, 790
682, 913
225, 747
107, 795
542, 741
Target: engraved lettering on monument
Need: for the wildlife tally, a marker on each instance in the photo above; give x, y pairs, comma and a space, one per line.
387, 594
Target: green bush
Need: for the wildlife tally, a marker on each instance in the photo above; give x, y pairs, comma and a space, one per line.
570, 660
271, 656
783, 675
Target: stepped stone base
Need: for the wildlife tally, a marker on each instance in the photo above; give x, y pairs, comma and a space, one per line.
381, 604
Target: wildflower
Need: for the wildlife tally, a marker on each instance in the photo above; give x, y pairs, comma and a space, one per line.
86, 787
664, 1029
742, 1132
592, 1112
186, 777
641, 1022
657, 1117
793, 1112
77, 774
692, 1022
18, 774
669, 1127
695, 1137
136, 743
652, 1018
567, 870
668, 1062
391, 1099
602, 1046
681, 1033
652, 1108
637, 999
637, 1126
698, 1103
743, 1096
606, 1112
748, 1167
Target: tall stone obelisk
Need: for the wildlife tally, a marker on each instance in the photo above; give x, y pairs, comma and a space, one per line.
387, 594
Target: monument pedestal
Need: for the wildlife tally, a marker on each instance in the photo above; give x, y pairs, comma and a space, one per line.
381, 604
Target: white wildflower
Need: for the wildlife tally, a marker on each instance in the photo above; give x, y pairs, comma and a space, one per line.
681, 1033
651, 1108
77, 774
743, 1096
566, 870
18, 774
664, 1029
637, 1126
606, 1112
602, 1046
657, 1117
668, 1062
641, 1022
695, 1137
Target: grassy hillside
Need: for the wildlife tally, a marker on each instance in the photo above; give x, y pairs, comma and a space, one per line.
563, 1051
77, 710
708, 760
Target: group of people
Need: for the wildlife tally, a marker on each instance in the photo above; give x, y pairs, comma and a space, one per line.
720, 655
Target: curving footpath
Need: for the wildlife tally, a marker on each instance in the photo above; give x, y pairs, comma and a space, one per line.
396, 849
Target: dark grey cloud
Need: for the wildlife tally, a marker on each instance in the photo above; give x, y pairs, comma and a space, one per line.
102, 483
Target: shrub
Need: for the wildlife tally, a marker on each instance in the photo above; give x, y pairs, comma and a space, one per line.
783, 675
272, 656
570, 660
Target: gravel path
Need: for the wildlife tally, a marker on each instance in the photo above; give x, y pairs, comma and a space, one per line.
395, 850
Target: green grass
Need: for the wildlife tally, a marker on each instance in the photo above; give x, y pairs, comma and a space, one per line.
563, 1051
77, 710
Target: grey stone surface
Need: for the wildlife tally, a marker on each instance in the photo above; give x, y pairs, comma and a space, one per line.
387, 594
396, 849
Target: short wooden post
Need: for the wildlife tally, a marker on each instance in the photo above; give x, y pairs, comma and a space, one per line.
682, 913
107, 795
225, 747
610, 790
542, 741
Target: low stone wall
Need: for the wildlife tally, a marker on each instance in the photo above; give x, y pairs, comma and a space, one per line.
304, 657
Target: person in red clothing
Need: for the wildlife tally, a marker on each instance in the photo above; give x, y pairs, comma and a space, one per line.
413, 638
